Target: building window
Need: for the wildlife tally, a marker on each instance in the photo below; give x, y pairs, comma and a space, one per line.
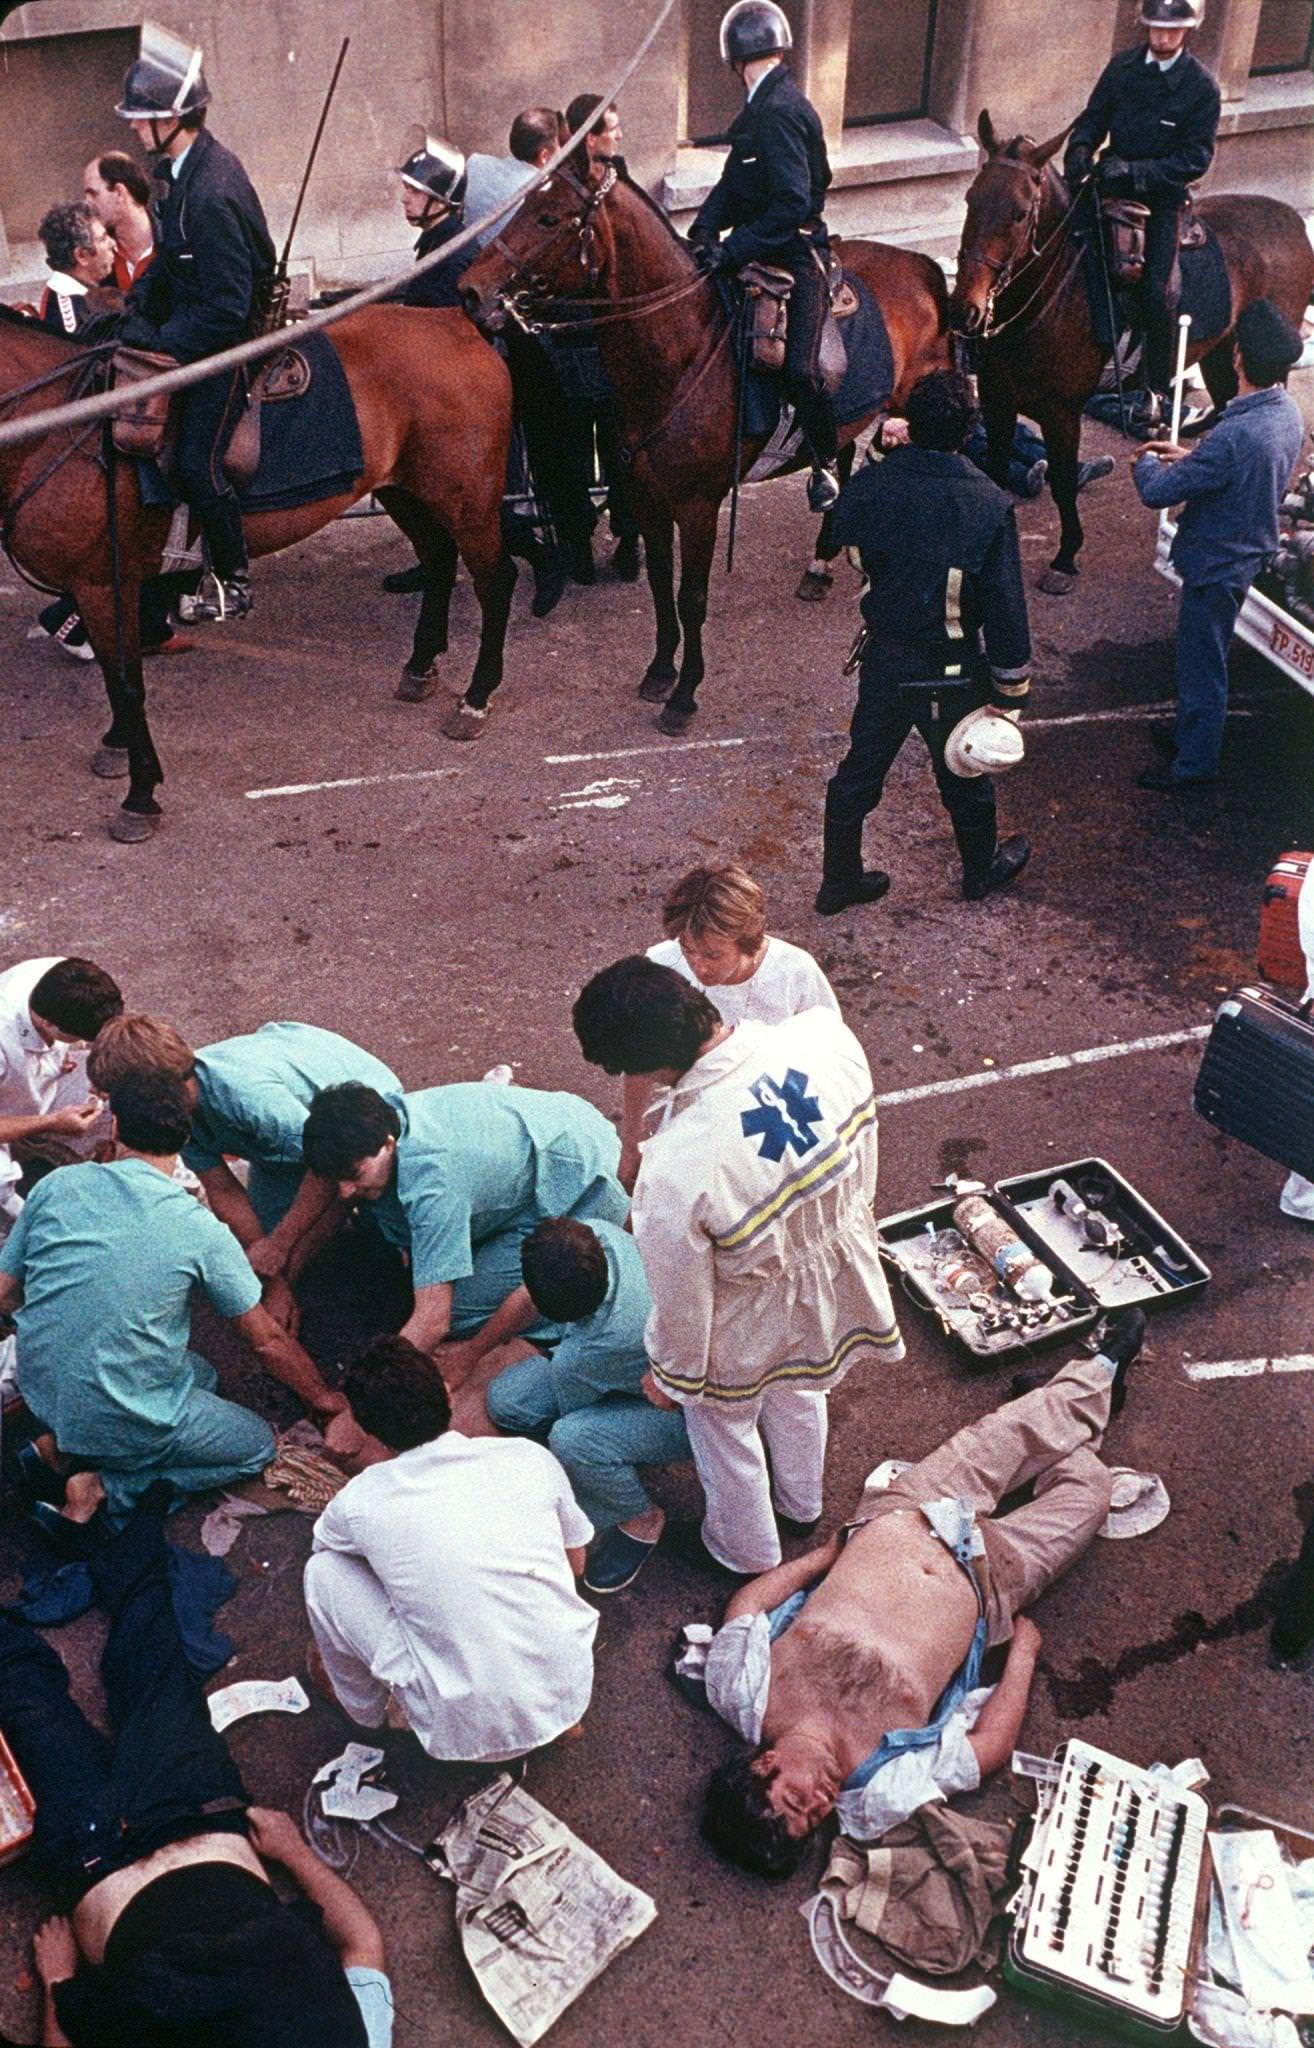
57, 100
713, 93
1285, 41
889, 72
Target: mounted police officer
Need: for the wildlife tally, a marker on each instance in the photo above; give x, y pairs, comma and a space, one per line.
946, 646
1157, 108
205, 290
433, 181
770, 195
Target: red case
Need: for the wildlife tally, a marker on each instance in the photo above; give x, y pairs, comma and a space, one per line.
16, 1825
1281, 959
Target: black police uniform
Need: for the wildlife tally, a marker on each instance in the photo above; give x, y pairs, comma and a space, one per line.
1161, 127
204, 291
945, 607
770, 195
440, 286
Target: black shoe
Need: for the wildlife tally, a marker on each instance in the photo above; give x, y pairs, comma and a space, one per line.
615, 1561
626, 559
869, 887
581, 564
1011, 856
1163, 781
789, 1527
823, 487
1119, 1336
549, 584
684, 1541
405, 582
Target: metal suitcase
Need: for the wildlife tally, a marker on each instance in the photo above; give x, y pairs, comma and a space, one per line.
1256, 1081
1281, 958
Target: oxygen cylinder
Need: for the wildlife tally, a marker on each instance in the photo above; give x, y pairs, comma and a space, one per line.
1017, 1266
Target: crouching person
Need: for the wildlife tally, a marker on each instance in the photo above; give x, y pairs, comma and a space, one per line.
170, 1929
98, 1273
588, 1401
442, 1584
855, 1670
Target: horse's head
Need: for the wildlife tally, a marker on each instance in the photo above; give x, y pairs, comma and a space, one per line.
1004, 204
556, 247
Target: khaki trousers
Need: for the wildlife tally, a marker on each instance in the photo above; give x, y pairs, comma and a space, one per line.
1048, 1439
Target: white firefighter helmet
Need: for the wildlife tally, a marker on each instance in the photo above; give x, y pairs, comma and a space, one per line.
984, 743
1172, 13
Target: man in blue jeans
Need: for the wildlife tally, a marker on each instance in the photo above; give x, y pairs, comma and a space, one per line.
589, 1401
1230, 486
149, 1844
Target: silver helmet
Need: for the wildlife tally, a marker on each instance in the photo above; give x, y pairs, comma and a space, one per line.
438, 169
1172, 13
754, 28
164, 80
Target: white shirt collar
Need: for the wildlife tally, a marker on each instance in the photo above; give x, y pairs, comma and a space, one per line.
762, 79
60, 281
1165, 63
176, 162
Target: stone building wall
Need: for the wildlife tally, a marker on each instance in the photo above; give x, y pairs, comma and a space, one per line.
465, 67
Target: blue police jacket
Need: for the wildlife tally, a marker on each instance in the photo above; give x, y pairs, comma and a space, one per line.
213, 260
774, 182
1230, 485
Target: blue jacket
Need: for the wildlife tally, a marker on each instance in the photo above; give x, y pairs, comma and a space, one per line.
1164, 124
213, 258
1231, 486
773, 184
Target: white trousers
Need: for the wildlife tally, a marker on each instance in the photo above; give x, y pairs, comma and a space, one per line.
1297, 1198
360, 1640
730, 1442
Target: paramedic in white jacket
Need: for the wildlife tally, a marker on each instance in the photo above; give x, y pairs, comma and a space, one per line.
753, 1218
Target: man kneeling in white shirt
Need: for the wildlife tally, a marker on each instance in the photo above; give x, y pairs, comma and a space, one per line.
855, 1670
442, 1582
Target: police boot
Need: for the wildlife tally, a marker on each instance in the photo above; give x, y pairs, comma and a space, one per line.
988, 863
226, 592
845, 882
816, 417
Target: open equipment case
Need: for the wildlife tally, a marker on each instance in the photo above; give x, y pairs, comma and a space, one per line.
1101, 1242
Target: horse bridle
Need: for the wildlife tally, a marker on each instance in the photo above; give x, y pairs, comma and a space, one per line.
583, 224
1025, 251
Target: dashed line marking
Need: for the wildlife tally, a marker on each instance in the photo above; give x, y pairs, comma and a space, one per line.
1057, 1063
1247, 1368
256, 796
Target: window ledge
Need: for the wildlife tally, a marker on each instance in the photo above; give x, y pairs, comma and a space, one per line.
1284, 100
880, 155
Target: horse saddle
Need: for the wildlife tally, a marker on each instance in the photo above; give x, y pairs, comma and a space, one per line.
285, 375
767, 291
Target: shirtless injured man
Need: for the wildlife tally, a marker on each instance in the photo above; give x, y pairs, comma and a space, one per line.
855, 1669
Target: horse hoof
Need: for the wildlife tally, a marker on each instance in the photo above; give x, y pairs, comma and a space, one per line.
674, 718
131, 827
110, 763
413, 689
654, 689
465, 722
1057, 582
814, 587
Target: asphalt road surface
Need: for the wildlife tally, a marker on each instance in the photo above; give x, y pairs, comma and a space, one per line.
328, 856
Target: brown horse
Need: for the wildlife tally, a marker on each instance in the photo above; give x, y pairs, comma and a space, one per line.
1021, 295
433, 403
666, 344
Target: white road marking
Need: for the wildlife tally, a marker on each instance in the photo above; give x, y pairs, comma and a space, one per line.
594, 803
632, 753
1057, 1063
1248, 1368
601, 788
1124, 713
256, 796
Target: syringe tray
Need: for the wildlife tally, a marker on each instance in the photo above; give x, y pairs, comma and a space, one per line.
1145, 1264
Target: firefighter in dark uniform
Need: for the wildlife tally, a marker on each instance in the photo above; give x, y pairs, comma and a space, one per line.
770, 195
1157, 109
946, 634
206, 289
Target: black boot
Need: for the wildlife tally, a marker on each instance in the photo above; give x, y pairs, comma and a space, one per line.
816, 417
227, 592
845, 881
549, 579
989, 864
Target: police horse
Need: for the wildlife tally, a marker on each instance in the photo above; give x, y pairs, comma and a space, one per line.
433, 407
1023, 296
666, 340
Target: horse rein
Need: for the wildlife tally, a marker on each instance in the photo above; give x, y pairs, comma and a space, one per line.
1021, 258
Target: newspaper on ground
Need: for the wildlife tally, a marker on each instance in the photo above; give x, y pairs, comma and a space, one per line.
540, 1915
344, 1796
256, 1696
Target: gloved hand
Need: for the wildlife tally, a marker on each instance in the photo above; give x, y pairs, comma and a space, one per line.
1112, 169
705, 250
137, 332
1077, 164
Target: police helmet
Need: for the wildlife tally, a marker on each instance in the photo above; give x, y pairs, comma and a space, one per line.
754, 28
438, 169
1172, 13
165, 79
983, 743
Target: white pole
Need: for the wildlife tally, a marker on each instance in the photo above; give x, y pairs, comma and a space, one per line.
1179, 379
